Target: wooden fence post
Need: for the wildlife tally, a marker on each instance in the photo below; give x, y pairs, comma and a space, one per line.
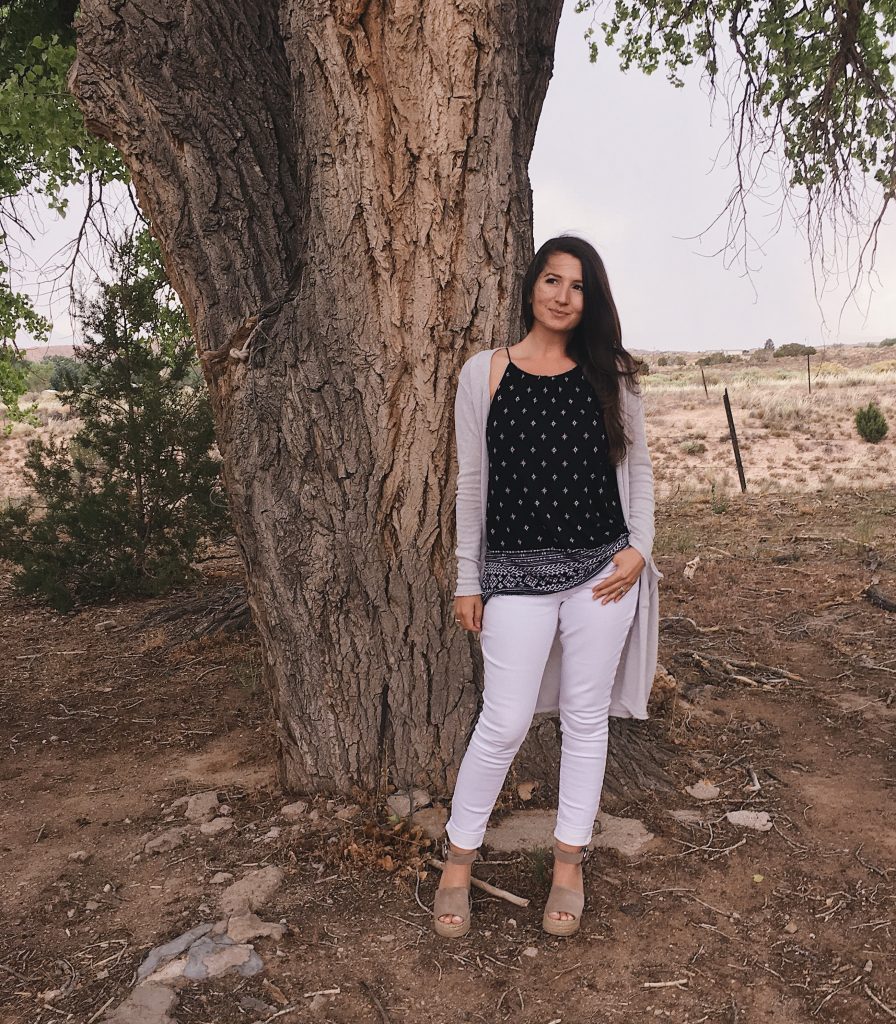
734, 444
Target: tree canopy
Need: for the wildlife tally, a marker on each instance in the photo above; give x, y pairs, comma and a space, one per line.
812, 80
44, 145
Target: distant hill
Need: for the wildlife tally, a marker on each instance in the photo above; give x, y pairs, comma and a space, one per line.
35, 355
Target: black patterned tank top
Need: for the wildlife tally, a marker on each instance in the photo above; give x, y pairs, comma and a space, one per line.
553, 514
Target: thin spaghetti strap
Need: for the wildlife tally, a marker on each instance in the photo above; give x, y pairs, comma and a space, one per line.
507, 350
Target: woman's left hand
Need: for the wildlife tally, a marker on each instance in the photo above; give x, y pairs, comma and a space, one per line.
614, 587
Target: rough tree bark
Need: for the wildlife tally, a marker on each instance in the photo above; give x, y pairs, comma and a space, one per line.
340, 190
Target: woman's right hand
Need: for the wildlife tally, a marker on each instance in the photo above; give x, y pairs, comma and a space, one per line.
468, 612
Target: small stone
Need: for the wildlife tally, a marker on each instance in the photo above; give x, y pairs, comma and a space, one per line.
790, 927
347, 813
225, 810
202, 806
869, 966
314, 815
161, 955
107, 887
251, 892
147, 1004
243, 927
400, 803
511, 922
175, 805
758, 820
80, 856
432, 820
292, 812
688, 816
210, 958
703, 790
251, 1003
220, 878
216, 826
168, 840
91, 905
530, 951
101, 627
271, 834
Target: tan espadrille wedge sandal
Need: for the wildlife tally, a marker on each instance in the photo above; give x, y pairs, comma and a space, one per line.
453, 899
564, 901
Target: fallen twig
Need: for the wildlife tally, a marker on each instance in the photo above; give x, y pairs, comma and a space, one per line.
492, 890
883, 1006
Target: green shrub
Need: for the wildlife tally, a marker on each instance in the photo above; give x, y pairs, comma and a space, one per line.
13, 385
56, 372
693, 447
888, 342
794, 348
121, 508
871, 423
718, 359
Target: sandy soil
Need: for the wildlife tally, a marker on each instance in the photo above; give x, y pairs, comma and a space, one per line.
109, 714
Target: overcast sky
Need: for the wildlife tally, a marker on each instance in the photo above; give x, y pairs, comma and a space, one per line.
641, 168
626, 160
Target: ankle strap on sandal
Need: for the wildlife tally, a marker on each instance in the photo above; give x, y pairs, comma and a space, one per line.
458, 858
565, 857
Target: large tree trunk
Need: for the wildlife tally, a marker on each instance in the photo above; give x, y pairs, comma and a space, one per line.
340, 190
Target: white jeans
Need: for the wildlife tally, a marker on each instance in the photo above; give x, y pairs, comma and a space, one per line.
516, 636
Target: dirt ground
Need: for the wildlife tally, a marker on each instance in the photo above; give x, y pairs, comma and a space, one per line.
785, 673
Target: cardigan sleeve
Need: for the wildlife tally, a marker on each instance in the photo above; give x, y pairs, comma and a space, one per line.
640, 472
468, 510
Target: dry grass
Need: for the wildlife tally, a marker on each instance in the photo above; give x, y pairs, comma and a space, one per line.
790, 440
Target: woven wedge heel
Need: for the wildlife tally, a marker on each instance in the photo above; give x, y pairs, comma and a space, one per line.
564, 901
453, 899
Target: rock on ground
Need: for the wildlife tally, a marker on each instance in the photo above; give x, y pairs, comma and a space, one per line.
534, 830
703, 790
751, 819
202, 806
432, 820
168, 950
216, 826
251, 892
243, 927
293, 812
170, 839
400, 803
147, 1004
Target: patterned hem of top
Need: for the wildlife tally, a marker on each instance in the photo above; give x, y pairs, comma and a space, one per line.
544, 570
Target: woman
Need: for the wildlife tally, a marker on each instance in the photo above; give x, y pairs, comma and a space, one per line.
555, 530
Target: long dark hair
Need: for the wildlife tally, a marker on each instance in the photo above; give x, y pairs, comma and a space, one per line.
596, 343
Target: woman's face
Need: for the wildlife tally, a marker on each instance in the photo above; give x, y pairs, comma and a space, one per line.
558, 297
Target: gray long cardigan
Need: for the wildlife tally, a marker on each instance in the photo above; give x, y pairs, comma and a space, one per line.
634, 676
